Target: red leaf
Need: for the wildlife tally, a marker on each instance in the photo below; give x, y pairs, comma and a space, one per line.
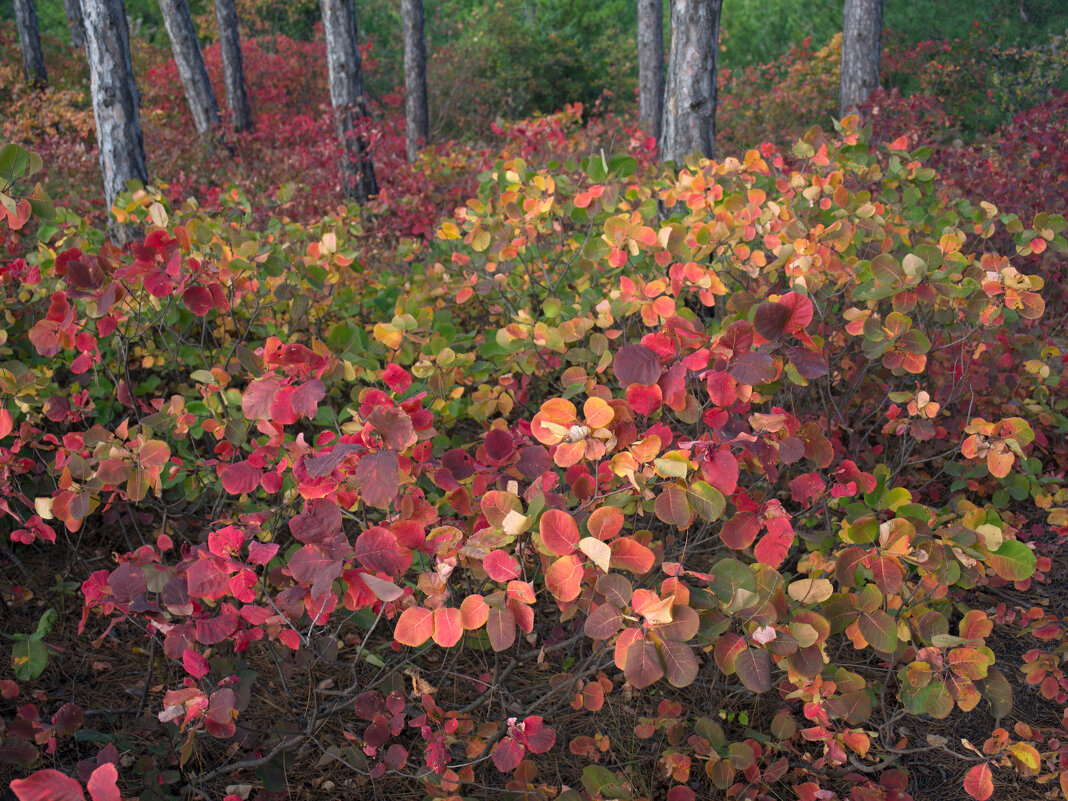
645, 399
198, 300
680, 663
377, 549
671, 507
740, 531
754, 669
103, 783
501, 566
499, 444
378, 477
195, 664
636, 364
7, 422
448, 628
414, 626
801, 311
240, 478
256, 402
979, 782
605, 621
500, 626
507, 754
564, 577
753, 368
808, 364
631, 555
773, 546
643, 664
559, 532
320, 521
397, 378
127, 583
394, 425
606, 522
47, 785
770, 320
305, 399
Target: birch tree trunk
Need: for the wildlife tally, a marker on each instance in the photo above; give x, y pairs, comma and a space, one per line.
689, 119
33, 63
233, 65
347, 97
190, 61
75, 23
862, 37
650, 66
416, 113
115, 98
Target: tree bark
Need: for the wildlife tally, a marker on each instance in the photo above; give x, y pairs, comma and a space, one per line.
190, 61
233, 65
115, 98
650, 66
689, 117
75, 23
33, 63
347, 97
416, 114
862, 35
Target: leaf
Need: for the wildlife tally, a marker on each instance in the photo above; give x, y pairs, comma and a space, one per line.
240, 478
379, 479
559, 532
1013, 561
879, 629
808, 364
127, 583
394, 425
564, 578
979, 782
753, 667
474, 611
377, 549
606, 522
258, 396
600, 553
729, 576
680, 663
753, 368
997, 690
319, 522
770, 320
603, 622
30, 657
628, 554
706, 500
501, 566
645, 399
500, 626
448, 626
507, 754
198, 300
776, 543
643, 664
636, 364
47, 785
414, 626
195, 664
810, 591
382, 590
671, 507
740, 531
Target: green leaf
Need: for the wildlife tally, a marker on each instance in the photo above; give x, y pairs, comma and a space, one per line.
1013, 561
30, 658
880, 630
706, 500
729, 576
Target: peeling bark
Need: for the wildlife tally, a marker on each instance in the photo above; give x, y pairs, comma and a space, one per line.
190, 61
347, 97
416, 113
862, 36
650, 66
689, 117
115, 99
33, 63
233, 65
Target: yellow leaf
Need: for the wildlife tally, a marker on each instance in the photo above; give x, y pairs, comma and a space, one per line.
810, 590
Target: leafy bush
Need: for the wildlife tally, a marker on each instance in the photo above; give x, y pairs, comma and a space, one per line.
777, 428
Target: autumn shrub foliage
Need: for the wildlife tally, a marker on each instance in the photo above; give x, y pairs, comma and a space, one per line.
744, 475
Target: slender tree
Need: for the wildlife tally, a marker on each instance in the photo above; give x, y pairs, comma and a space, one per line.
650, 66
190, 61
416, 113
75, 23
862, 40
116, 102
689, 117
347, 98
33, 63
233, 64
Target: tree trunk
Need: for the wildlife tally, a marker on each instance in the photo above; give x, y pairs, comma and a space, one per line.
33, 63
190, 61
233, 65
75, 22
862, 35
346, 96
650, 66
115, 98
689, 118
416, 115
